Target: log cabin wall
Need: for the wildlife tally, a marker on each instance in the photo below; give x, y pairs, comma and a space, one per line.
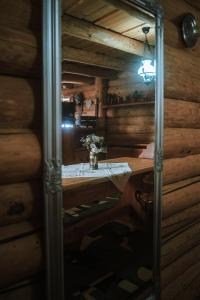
20, 144
130, 127
88, 90
181, 200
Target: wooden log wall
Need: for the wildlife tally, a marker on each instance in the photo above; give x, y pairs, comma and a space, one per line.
130, 128
181, 202
88, 91
21, 151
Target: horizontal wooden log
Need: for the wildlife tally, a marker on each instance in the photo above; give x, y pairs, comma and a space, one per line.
177, 84
20, 53
181, 219
83, 69
176, 246
20, 103
177, 169
12, 232
114, 152
191, 291
175, 289
77, 89
90, 32
20, 157
77, 79
142, 121
19, 258
28, 290
129, 139
21, 14
131, 129
180, 198
136, 112
19, 202
180, 142
87, 90
92, 58
180, 113
184, 262
180, 184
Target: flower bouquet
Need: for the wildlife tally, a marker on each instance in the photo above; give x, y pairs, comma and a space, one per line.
95, 144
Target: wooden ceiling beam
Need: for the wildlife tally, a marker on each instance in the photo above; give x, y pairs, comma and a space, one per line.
83, 69
131, 11
94, 59
75, 78
84, 30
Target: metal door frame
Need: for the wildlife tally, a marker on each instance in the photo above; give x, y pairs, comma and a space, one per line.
52, 149
52, 144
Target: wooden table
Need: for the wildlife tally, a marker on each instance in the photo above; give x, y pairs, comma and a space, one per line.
138, 165
78, 191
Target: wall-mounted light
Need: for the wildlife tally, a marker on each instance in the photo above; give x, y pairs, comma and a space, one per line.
148, 68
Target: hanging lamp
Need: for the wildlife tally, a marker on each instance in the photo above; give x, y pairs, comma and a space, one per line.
148, 68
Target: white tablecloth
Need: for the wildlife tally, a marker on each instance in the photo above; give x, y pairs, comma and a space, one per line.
110, 170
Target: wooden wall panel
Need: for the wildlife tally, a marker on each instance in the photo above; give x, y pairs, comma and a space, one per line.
20, 157
128, 83
20, 257
20, 52
20, 102
181, 218
181, 202
191, 280
21, 149
177, 84
177, 169
181, 142
180, 265
175, 246
181, 114
180, 196
88, 91
21, 14
20, 201
129, 126
29, 290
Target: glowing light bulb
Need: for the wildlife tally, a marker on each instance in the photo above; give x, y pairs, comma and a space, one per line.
147, 70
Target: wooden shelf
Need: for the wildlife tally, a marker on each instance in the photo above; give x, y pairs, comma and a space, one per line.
128, 104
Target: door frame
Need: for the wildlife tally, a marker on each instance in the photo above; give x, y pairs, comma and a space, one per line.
52, 149
52, 144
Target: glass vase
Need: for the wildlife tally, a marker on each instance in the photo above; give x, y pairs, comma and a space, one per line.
93, 161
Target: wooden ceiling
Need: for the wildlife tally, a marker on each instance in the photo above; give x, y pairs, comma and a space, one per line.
106, 34
111, 15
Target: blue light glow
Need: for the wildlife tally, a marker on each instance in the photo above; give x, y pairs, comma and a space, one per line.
148, 70
64, 125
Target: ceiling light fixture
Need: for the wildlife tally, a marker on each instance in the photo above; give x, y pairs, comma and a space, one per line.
148, 68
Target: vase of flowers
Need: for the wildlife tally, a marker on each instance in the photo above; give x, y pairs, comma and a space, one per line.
95, 144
